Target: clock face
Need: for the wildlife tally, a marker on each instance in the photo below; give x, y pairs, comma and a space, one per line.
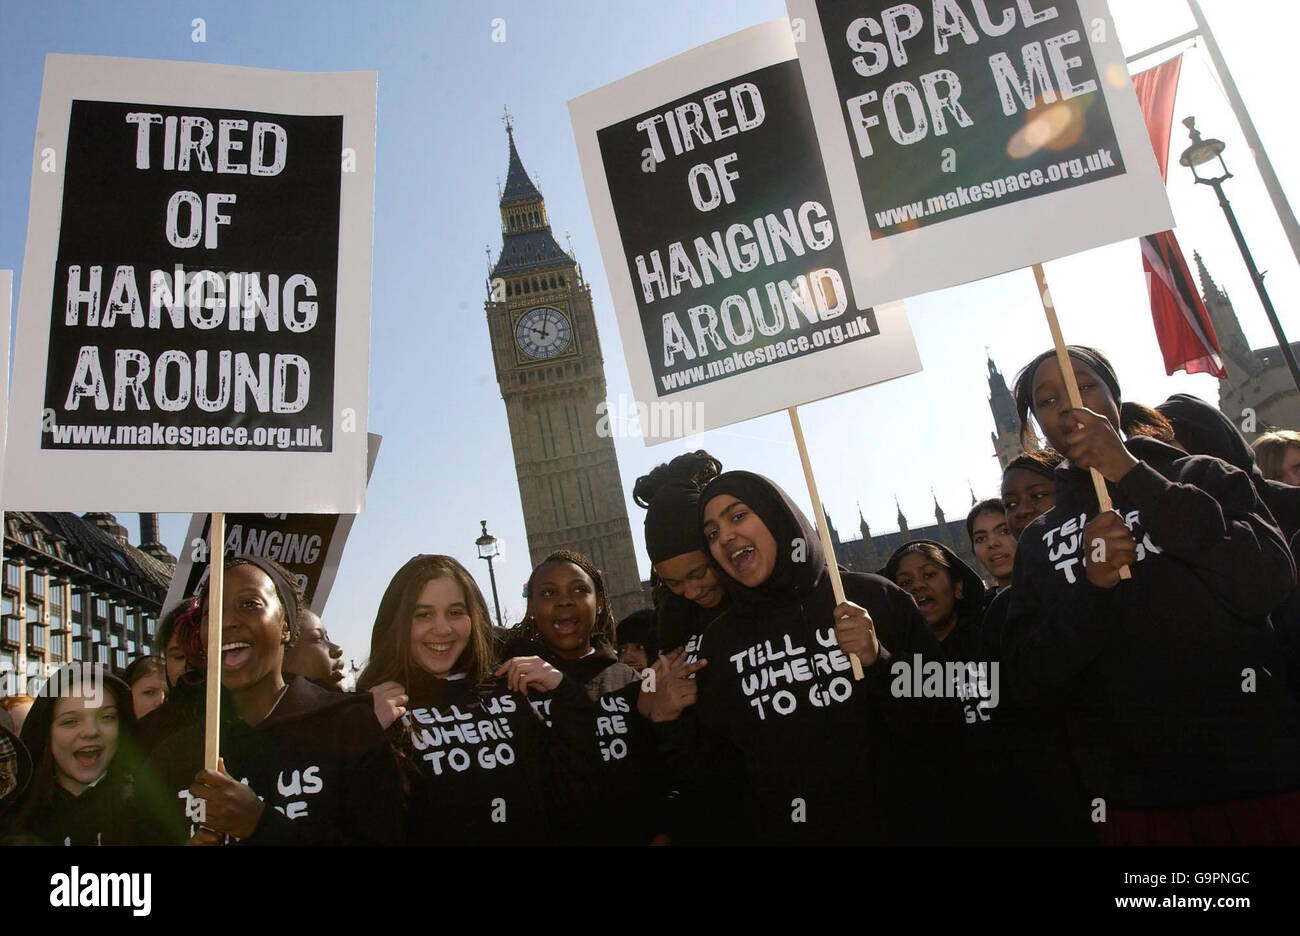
543, 333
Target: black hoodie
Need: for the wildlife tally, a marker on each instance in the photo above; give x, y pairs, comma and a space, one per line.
1170, 673
825, 758
484, 769
623, 802
46, 813
980, 789
1203, 430
319, 761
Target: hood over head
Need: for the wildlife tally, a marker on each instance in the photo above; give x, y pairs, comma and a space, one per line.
1206, 431
971, 603
76, 679
787, 524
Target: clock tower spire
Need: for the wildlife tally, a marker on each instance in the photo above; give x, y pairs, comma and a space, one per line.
552, 377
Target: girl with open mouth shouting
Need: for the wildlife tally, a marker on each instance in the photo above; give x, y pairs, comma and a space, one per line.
481, 767
299, 764
570, 624
826, 758
78, 734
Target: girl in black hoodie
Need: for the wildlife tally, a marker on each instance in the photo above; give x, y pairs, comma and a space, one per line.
299, 765
481, 767
689, 598
949, 594
78, 735
1186, 734
570, 623
826, 758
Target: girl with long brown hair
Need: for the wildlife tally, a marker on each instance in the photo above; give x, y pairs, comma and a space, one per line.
481, 767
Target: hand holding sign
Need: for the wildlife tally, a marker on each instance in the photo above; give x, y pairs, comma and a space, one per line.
1109, 549
855, 632
230, 807
1092, 442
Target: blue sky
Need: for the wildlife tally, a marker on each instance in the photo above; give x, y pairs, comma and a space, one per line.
446, 461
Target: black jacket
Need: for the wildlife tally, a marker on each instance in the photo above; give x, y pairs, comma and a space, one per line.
1170, 674
483, 768
319, 762
825, 758
624, 800
45, 813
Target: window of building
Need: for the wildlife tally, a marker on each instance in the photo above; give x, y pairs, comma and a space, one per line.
119, 616
78, 606
101, 608
113, 639
56, 648
101, 654
77, 653
36, 637
33, 613
13, 576
36, 584
150, 627
13, 630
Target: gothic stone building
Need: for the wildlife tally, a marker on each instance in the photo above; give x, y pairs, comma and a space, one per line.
552, 377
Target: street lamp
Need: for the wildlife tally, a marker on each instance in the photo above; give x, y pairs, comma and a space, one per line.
1199, 154
489, 548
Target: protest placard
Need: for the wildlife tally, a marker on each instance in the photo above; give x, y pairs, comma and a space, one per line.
725, 260
967, 139
308, 545
194, 314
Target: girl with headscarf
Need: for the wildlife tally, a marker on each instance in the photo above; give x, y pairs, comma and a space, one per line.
1184, 733
826, 758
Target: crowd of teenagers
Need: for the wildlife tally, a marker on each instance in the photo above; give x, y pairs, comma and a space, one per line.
1130, 677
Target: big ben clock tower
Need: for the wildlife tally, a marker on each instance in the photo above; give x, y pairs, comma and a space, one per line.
552, 377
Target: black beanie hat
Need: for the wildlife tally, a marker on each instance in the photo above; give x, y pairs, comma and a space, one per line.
671, 496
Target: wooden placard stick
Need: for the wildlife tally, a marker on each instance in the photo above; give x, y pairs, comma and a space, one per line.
216, 603
1071, 388
823, 529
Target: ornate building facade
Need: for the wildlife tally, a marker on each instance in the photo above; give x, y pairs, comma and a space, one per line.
75, 590
1259, 381
552, 377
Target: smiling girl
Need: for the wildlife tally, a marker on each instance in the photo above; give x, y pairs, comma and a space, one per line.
1184, 729
816, 744
689, 594
299, 764
481, 765
77, 733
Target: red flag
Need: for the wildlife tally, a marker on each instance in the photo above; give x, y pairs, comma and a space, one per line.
1183, 327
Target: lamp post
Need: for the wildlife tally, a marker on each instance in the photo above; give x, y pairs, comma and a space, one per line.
489, 547
1198, 154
